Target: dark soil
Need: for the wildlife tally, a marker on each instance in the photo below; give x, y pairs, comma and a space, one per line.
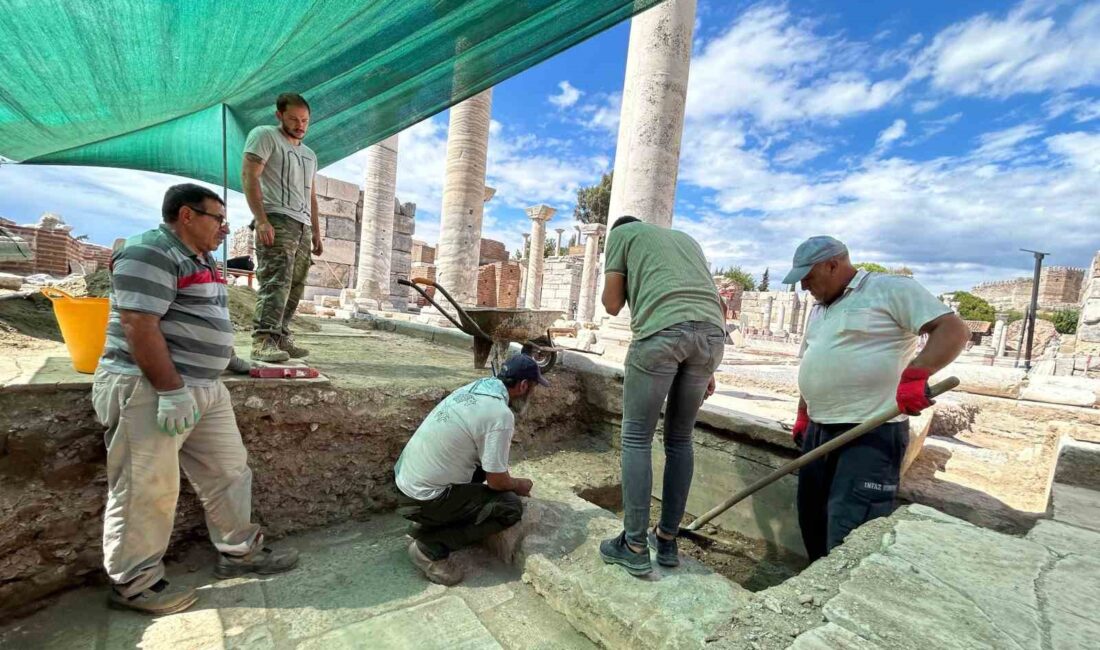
31, 316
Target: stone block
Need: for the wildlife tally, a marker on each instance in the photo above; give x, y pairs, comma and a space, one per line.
1076, 506
320, 186
343, 190
1071, 391
326, 274
307, 307
402, 243
437, 625
339, 251
404, 225
312, 293
985, 380
1078, 464
331, 207
339, 228
1065, 539
10, 281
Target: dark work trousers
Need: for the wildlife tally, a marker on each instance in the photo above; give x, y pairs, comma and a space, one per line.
850, 486
463, 515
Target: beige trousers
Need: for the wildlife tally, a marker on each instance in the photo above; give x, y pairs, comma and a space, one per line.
143, 477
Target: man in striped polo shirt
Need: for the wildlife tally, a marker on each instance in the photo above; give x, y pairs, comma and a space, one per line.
158, 392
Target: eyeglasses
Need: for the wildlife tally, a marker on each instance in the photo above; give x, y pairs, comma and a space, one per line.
220, 218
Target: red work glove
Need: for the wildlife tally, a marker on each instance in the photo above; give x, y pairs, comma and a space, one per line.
801, 423
913, 393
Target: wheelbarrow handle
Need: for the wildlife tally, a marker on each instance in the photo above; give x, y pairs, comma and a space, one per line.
463, 322
841, 440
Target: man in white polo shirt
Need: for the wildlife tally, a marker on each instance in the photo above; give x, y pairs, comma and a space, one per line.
453, 474
857, 362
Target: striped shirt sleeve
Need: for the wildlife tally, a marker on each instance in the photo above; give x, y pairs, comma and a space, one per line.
144, 279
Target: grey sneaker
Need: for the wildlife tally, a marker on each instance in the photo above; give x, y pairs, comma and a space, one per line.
263, 561
266, 350
667, 553
286, 344
616, 551
156, 600
441, 572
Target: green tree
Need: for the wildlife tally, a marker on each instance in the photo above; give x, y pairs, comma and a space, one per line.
763, 281
972, 307
1065, 320
742, 278
902, 270
872, 267
594, 201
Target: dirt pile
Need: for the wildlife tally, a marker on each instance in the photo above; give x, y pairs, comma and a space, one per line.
31, 317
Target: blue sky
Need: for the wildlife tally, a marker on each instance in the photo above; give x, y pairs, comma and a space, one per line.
939, 135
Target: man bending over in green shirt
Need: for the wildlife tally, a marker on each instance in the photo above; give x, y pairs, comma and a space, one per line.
679, 338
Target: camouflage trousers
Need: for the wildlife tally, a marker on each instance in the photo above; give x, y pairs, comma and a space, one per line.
281, 271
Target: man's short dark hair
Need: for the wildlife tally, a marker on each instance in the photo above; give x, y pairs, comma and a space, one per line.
286, 100
178, 196
622, 221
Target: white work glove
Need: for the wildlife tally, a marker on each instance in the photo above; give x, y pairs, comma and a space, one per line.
177, 412
238, 365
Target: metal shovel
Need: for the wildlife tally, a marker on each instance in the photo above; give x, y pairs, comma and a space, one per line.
834, 444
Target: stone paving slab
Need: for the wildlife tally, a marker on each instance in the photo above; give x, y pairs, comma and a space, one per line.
832, 637
443, 624
1066, 539
1076, 506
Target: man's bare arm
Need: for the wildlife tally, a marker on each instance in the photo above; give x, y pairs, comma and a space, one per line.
505, 482
614, 293
251, 169
149, 349
315, 219
947, 336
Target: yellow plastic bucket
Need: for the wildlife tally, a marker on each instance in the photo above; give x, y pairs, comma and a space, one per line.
83, 324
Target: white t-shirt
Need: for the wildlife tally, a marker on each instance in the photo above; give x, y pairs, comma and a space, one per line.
472, 426
856, 349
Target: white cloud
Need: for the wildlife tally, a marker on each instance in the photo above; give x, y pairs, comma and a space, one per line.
775, 68
890, 135
602, 114
566, 97
1001, 145
1083, 109
798, 153
1027, 51
1080, 149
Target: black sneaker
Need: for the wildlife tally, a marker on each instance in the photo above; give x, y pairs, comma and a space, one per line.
667, 554
263, 561
616, 551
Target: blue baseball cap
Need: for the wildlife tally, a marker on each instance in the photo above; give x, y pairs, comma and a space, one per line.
521, 367
810, 252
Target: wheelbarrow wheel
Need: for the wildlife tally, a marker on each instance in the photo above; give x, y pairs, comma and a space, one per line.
537, 350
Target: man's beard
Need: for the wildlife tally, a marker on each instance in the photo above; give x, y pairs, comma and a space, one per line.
518, 405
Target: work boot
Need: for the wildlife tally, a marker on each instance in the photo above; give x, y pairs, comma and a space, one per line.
441, 572
667, 553
617, 551
286, 344
157, 600
266, 350
262, 561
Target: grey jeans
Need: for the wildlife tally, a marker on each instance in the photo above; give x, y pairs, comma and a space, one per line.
676, 363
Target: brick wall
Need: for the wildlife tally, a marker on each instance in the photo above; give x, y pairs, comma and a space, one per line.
492, 251
561, 283
487, 286
56, 252
427, 271
508, 275
423, 253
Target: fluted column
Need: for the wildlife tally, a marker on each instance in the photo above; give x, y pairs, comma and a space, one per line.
769, 302
590, 270
464, 196
376, 236
539, 215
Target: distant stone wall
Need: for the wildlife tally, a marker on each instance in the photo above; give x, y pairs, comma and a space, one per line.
1088, 326
786, 311
561, 283
404, 227
1060, 287
492, 251
423, 253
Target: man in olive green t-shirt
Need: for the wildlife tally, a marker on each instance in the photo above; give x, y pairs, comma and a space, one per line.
679, 337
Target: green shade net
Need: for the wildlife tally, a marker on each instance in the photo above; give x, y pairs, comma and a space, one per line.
154, 84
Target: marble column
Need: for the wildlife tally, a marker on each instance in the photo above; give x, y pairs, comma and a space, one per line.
557, 251
999, 338
539, 215
376, 235
651, 123
590, 271
525, 258
769, 302
783, 317
464, 196
651, 120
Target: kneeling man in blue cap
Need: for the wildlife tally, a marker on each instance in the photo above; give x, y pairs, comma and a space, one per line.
857, 362
453, 474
